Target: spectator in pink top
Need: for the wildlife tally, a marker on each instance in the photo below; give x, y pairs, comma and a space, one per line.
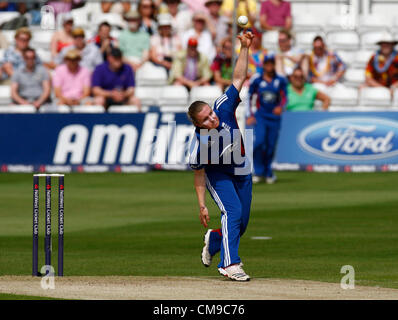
196, 5
71, 81
63, 6
275, 14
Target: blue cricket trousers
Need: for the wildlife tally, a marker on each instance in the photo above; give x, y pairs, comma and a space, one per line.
266, 132
233, 195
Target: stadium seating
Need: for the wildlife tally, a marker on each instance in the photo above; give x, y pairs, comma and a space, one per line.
9, 35
5, 94
394, 26
173, 96
151, 75
370, 38
340, 22
149, 96
362, 58
354, 77
348, 57
7, 16
208, 94
88, 109
321, 87
395, 98
114, 19
375, 97
52, 108
307, 22
44, 55
41, 39
305, 39
81, 17
173, 108
126, 109
353, 37
344, 96
343, 40
373, 22
17, 109
270, 40
115, 32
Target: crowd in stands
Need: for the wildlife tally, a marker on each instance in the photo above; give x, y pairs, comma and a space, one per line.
190, 39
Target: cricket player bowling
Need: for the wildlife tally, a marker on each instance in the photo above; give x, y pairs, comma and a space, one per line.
230, 188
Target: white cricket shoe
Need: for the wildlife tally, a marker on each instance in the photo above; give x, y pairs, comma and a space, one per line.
234, 272
270, 180
206, 256
257, 179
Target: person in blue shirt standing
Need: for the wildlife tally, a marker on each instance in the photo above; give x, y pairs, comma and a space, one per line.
228, 181
271, 92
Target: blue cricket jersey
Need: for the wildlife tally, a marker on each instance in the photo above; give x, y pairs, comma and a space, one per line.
269, 94
224, 107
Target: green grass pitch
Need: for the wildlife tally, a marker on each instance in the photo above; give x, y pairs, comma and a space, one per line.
147, 225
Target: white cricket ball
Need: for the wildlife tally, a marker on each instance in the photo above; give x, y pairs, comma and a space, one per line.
242, 21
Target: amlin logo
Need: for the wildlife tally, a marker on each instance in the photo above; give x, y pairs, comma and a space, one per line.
359, 138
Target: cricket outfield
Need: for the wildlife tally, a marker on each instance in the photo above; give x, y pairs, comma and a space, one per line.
133, 236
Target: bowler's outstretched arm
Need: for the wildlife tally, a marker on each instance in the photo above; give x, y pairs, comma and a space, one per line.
240, 72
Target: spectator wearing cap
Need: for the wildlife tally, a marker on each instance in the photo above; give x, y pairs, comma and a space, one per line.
164, 44
147, 10
222, 65
288, 57
218, 24
30, 83
91, 55
13, 55
301, 95
103, 39
382, 68
275, 14
181, 18
134, 42
325, 66
190, 67
200, 32
113, 82
62, 38
246, 8
71, 81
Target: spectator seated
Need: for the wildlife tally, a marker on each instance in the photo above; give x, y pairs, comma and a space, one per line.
164, 44
190, 68
30, 83
113, 82
275, 14
90, 54
222, 65
134, 42
71, 81
301, 96
382, 68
